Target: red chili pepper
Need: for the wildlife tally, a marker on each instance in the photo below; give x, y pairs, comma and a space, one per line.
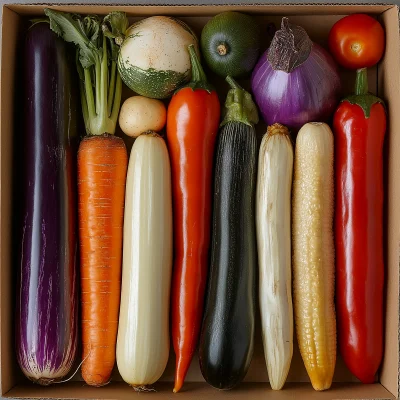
192, 127
359, 127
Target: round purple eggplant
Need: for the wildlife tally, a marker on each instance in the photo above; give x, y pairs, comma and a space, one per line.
46, 318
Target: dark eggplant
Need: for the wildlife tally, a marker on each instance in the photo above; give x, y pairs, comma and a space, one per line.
46, 318
227, 335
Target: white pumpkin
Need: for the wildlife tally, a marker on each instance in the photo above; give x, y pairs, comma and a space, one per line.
154, 59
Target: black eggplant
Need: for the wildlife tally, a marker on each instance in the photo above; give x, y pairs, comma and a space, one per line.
227, 335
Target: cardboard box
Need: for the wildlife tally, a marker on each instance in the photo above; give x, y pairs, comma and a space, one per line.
383, 80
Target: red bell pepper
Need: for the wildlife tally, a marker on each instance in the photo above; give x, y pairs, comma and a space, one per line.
359, 126
192, 127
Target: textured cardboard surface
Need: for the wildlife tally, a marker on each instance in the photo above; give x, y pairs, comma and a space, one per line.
201, 391
317, 20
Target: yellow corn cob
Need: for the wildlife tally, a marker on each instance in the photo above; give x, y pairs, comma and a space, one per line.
313, 252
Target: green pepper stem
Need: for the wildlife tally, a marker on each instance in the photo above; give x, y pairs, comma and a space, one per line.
361, 86
198, 74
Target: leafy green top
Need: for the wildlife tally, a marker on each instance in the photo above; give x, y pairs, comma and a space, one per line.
101, 84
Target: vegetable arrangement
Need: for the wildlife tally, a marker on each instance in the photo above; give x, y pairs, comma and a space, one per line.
184, 222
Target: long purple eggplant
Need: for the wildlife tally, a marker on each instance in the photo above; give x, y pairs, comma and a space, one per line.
46, 319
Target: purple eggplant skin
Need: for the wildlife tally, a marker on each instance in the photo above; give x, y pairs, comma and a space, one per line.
46, 318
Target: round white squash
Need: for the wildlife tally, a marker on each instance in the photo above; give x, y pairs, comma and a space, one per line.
140, 114
154, 59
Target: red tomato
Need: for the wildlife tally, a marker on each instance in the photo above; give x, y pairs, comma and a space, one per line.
357, 41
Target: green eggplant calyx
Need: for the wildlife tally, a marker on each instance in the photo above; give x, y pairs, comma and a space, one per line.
199, 79
362, 97
239, 106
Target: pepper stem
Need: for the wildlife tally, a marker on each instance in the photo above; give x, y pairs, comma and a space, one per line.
199, 79
239, 106
361, 96
198, 74
361, 86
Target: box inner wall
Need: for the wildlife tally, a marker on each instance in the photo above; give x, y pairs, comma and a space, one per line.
317, 26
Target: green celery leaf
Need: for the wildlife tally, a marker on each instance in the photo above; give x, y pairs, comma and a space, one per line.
92, 29
118, 23
114, 27
71, 30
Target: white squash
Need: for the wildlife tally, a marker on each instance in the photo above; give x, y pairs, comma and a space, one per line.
140, 114
273, 211
154, 59
143, 332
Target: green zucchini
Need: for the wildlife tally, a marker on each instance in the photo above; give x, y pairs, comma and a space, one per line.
230, 43
227, 335
154, 59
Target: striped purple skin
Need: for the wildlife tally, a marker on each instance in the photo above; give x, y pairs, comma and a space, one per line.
46, 320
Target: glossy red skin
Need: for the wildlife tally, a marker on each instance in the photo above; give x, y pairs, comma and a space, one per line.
192, 127
359, 29
359, 237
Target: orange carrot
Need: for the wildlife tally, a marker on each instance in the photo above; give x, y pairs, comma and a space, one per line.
102, 167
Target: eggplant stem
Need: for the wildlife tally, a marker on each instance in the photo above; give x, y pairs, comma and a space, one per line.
232, 83
239, 106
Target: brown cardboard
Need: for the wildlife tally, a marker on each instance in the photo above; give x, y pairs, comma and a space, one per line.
384, 80
388, 83
201, 391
